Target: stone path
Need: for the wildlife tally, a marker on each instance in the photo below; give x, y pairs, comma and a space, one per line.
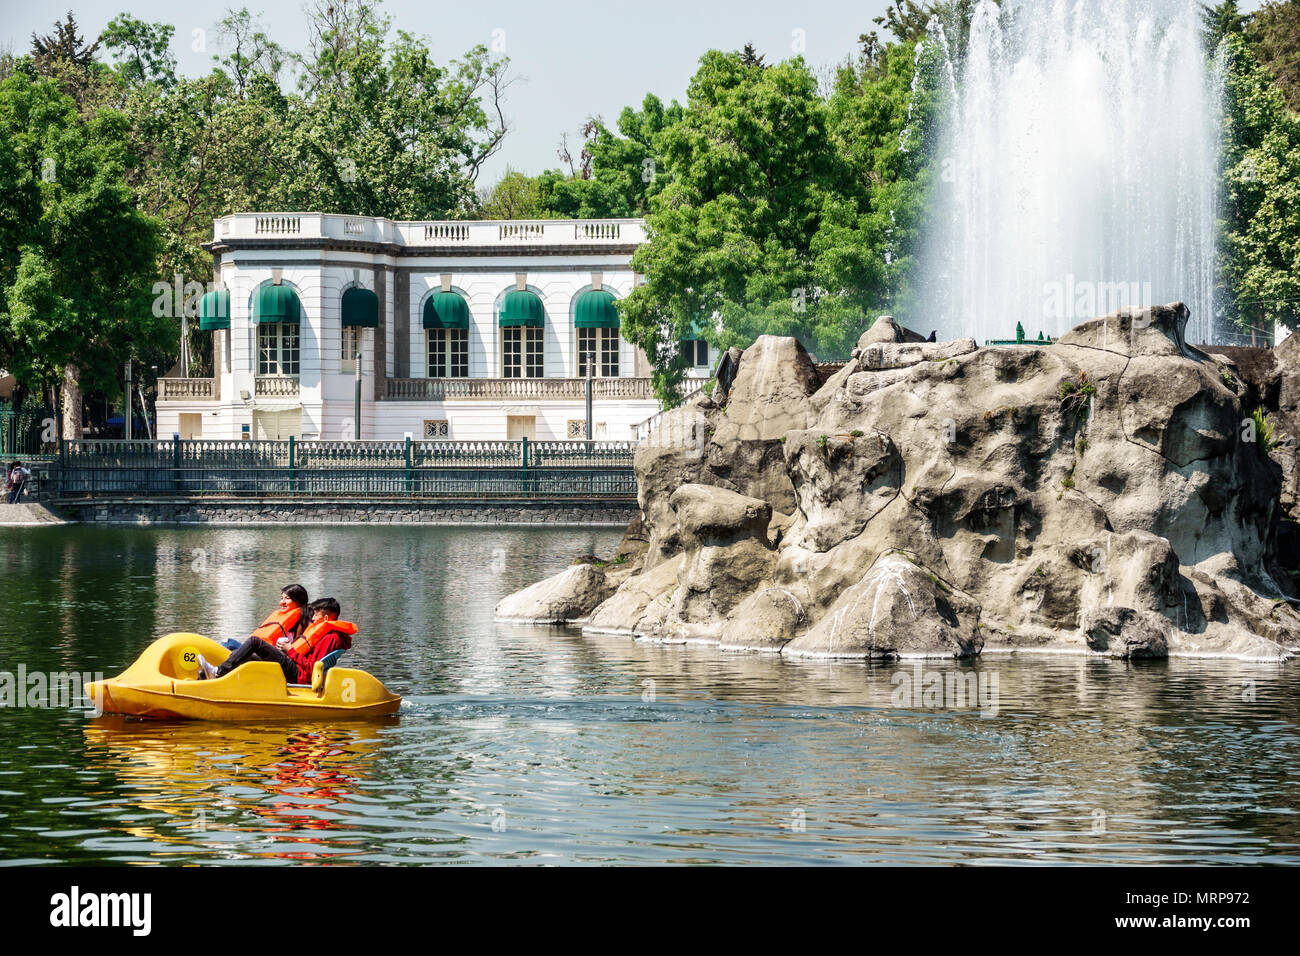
26, 513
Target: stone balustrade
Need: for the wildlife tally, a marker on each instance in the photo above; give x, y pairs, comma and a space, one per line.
301, 226
514, 389
276, 386
186, 389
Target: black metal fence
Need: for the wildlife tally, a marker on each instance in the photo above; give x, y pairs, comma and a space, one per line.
368, 469
28, 433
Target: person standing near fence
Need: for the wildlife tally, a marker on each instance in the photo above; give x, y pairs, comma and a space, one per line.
16, 477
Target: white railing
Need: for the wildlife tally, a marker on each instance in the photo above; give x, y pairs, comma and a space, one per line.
596, 230
445, 232
186, 389
276, 386
517, 389
521, 230
643, 429
514, 232
277, 225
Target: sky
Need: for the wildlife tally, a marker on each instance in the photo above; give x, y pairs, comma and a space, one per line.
572, 59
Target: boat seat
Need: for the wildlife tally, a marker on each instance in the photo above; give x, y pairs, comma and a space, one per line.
323, 667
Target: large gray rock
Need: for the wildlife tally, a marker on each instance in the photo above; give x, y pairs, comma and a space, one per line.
770, 394
736, 446
1125, 633
572, 594
898, 609
1099, 495
727, 555
885, 329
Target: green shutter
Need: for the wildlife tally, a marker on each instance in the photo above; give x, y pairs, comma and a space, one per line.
361, 308
277, 303
214, 311
446, 310
595, 310
522, 307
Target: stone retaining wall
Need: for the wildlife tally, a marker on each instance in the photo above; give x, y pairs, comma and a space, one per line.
344, 512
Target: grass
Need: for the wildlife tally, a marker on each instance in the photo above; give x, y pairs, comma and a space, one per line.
1265, 435
822, 440
1077, 395
1228, 379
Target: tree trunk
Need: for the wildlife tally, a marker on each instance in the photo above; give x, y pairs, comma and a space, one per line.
71, 403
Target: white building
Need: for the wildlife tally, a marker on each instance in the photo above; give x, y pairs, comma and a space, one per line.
467, 331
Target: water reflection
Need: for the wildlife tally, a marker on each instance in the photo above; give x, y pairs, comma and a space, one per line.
288, 788
541, 744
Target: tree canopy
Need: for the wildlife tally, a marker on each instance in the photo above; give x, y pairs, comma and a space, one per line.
360, 120
77, 257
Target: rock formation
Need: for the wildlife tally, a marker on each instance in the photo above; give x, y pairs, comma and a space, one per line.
1104, 494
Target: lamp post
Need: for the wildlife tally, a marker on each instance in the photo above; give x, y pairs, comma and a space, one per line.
356, 397
127, 415
591, 361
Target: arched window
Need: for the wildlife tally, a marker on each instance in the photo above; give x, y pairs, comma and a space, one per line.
522, 322
446, 330
595, 316
360, 310
278, 313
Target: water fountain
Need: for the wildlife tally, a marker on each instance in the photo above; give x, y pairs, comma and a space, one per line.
1078, 168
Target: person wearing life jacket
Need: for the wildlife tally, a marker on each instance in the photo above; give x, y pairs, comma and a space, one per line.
324, 634
287, 622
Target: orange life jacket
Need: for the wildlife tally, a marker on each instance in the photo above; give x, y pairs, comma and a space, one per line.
279, 624
317, 632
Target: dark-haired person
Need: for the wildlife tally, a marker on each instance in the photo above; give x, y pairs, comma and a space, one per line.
286, 623
324, 634
15, 477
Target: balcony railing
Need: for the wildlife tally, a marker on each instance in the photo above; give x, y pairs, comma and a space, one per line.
514, 233
186, 389
276, 386
514, 389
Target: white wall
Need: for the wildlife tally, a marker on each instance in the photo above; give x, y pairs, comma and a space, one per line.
319, 278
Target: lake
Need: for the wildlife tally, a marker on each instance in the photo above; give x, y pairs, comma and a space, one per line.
541, 745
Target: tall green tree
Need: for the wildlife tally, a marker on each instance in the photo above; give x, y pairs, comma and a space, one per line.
378, 128
1260, 249
783, 212
1273, 32
77, 257
515, 195
758, 200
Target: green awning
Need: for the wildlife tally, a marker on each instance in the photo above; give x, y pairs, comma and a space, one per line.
522, 307
214, 311
446, 310
277, 303
697, 329
361, 308
595, 310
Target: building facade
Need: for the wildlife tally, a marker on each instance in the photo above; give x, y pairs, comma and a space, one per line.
466, 331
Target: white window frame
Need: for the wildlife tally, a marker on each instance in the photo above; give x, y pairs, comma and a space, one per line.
284, 341
351, 344
454, 347
606, 344
531, 355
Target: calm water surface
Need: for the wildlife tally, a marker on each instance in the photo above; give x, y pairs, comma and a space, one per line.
539, 745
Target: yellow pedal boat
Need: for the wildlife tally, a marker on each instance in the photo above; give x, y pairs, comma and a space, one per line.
163, 683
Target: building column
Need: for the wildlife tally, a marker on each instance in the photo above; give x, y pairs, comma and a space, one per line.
380, 356
401, 323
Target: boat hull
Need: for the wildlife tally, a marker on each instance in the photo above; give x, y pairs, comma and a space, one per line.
162, 684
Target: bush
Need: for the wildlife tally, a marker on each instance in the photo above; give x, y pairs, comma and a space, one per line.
1265, 439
